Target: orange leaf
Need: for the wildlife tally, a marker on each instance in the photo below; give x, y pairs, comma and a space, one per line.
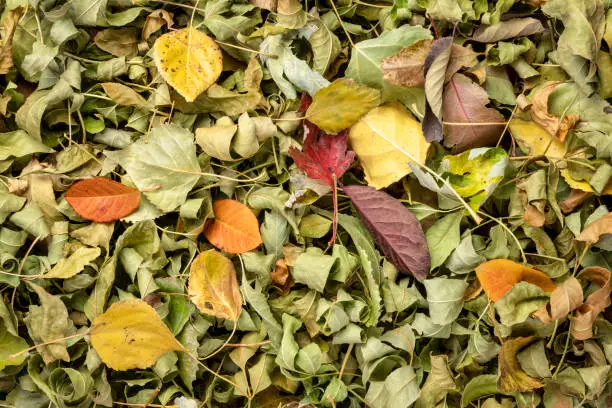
235, 228
102, 200
499, 275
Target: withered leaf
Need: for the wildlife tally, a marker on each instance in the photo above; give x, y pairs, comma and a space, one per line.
511, 376
406, 67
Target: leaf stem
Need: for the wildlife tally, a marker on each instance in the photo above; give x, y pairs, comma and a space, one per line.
74, 336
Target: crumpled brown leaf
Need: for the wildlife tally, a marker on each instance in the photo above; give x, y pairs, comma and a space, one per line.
6, 51
593, 232
156, 20
582, 322
405, 67
553, 124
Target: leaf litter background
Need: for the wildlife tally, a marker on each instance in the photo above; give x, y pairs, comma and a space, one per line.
282, 204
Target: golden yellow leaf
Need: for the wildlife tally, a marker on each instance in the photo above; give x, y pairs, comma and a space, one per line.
130, 334
583, 185
386, 140
213, 286
534, 140
189, 60
340, 104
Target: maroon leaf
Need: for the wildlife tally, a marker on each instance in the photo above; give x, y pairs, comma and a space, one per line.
323, 157
464, 103
395, 229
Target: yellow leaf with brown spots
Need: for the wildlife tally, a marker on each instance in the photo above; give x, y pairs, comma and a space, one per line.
130, 334
213, 286
189, 60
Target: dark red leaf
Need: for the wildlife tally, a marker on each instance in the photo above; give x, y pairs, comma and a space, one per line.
322, 155
396, 230
102, 200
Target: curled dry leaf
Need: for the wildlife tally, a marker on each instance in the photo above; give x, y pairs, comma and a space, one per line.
511, 376
593, 232
235, 228
499, 275
396, 230
554, 125
155, 21
102, 200
213, 286
130, 334
582, 327
189, 60
6, 50
565, 298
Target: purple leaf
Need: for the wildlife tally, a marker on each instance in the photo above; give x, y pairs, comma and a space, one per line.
395, 229
465, 103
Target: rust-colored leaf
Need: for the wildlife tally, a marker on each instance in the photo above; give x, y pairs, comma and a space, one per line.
499, 275
511, 376
235, 228
102, 200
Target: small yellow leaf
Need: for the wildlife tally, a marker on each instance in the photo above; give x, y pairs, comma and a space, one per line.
189, 60
213, 286
386, 140
130, 334
534, 140
340, 104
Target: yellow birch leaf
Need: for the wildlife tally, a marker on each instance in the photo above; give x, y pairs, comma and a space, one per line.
189, 60
386, 140
534, 140
340, 104
130, 334
213, 286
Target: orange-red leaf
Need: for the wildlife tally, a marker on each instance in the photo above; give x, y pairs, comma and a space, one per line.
235, 228
102, 200
499, 275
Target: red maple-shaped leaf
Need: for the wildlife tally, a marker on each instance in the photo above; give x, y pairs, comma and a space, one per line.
324, 157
